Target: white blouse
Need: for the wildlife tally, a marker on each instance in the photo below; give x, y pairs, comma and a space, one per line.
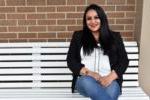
96, 61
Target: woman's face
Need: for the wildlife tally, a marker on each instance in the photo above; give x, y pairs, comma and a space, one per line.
93, 21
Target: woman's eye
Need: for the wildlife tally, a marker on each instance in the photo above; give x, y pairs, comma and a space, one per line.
88, 18
96, 17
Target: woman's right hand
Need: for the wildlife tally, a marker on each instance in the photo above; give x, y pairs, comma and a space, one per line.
95, 75
85, 71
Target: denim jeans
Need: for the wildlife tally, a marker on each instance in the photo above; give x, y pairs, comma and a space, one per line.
89, 87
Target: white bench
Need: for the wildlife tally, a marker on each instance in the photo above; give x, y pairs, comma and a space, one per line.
38, 71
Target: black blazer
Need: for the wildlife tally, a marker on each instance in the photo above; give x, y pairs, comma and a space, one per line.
117, 56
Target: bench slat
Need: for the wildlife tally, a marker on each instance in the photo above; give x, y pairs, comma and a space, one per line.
33, 50
47, 70
33, 64
46, 64
53, 84
32, 57
36, 77
51, 44
60, 90
36, 85
45, 57
49, 50
54, 77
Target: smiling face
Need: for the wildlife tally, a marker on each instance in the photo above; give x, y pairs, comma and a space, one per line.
93, 21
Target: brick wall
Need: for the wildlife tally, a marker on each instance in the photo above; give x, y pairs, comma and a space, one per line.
55, 20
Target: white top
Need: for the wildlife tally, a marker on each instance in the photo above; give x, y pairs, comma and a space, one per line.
96, 61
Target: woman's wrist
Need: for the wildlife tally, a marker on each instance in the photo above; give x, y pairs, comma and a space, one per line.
84, 71
113, 75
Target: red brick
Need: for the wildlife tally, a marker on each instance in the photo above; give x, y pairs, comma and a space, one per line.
127, 34
73, 28
3, 29
56, 40
56, 28
37, 40
36, 28
8, 35
108, 8
2, 3
111, 21
125, 8
101, 2
2, 16
46, 22
76, 2
15, 2
115, 14
79, 21
74, 15
131, 14
81, 8
129, 39
8, 22
117, 27
15, 16
64, 35
129, 27
36, 2
27, 35
56, 16
36, 16
115, 2
65, 8
26, 22
66, 22
17, 40
46, 35
56, 2
3, 40
46, 9
17, 29
7, 9
124, 21
26, 9
130, 1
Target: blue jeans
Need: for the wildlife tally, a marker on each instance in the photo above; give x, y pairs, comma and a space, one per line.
89, 87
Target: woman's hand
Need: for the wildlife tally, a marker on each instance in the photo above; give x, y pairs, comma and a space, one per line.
85, 71
107, 80
95, 75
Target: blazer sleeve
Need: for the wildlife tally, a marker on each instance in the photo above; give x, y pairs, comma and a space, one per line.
73, 56
122, 59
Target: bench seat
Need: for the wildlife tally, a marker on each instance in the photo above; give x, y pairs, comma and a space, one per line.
38, 71
65, 94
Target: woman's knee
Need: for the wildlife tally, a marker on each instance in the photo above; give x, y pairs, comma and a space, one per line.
88, 85
85, 82
113, 90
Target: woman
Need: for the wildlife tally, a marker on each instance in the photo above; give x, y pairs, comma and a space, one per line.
97, 57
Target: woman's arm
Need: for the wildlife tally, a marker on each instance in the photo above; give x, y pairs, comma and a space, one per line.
122, 59
73, 60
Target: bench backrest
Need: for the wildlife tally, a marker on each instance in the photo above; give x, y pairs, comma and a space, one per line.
43, 65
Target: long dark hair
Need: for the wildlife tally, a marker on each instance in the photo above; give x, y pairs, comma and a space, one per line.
105, 39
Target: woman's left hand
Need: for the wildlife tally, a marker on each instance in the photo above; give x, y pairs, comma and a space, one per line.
107, 80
